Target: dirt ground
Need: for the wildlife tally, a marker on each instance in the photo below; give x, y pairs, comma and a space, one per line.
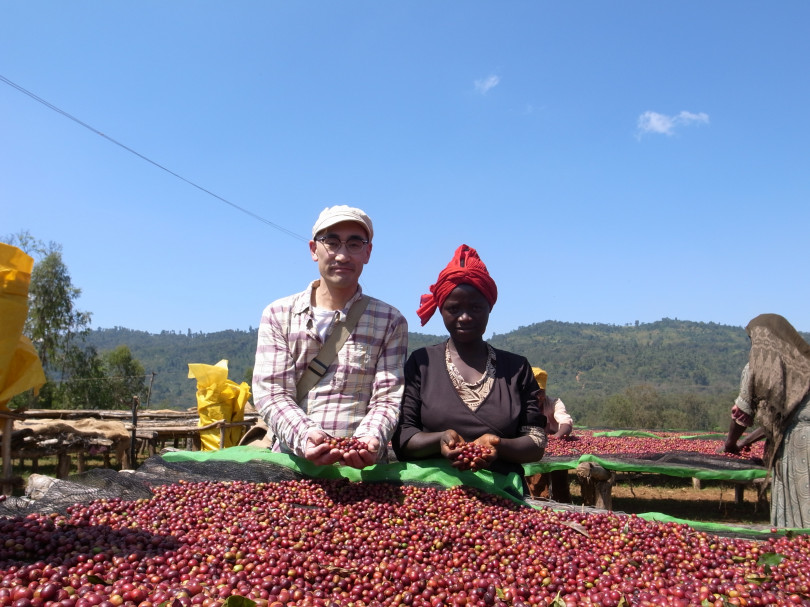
713, 502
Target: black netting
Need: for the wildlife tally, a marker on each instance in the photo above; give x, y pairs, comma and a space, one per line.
103, 483
693, 460
675, 459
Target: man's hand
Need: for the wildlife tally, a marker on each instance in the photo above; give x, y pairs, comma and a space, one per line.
364, 457
318, 452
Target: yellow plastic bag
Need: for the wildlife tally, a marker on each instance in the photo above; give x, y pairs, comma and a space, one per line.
20, 367
218, 399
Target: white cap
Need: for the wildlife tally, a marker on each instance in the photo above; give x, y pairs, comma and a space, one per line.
333, 215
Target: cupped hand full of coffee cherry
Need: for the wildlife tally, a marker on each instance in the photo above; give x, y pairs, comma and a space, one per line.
345, 444
471, 456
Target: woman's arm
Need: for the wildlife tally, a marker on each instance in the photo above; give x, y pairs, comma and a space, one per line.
735, 431
520, 450
750, 439
531, 444
410, 440
564, 430
425, 444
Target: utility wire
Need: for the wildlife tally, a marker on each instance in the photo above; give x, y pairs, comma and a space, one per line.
150, 161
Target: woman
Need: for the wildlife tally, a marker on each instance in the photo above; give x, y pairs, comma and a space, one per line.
464, 390
559, 425
775, 386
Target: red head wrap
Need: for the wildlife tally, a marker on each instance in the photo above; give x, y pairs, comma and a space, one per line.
465, 268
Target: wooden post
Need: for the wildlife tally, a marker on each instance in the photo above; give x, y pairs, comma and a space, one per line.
762, 485
597, 484
739, 494
133, 451
7, 482
63, 465
8, 485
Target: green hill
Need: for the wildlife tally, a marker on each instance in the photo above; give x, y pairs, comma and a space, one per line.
674, 372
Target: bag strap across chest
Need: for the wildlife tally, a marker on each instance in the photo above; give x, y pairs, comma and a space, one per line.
319, 365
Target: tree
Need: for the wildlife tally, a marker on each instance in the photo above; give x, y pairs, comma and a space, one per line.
53, 322
87, 386
126, 375
77, 376
637, 407
619, 412
106, 381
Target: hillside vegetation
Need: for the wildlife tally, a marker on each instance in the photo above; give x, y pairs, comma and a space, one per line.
666, 374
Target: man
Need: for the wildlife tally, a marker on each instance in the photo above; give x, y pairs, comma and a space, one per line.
360, 391
559, 424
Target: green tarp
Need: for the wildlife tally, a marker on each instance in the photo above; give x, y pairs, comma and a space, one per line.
731, 470
438, 472
668, 469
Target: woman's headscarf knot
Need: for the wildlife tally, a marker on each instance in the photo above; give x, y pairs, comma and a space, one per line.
465, 268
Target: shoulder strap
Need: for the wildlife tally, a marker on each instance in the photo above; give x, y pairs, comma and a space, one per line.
320, 364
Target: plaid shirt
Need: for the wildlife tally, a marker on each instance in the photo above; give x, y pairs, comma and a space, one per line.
361, 392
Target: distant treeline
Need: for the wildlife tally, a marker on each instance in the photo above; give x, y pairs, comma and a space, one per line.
666, 374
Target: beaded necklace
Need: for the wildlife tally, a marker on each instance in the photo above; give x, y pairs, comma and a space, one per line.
473, 394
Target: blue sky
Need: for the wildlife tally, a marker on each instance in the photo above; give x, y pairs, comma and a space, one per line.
611, 162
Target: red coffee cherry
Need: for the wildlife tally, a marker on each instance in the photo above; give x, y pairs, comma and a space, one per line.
345, 444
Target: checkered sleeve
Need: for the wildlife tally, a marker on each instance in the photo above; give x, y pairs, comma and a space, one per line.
274, 379
382, 411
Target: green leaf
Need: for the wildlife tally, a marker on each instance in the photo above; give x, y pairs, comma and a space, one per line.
770, 559
758, 579
577, 527
94, 579
238, 601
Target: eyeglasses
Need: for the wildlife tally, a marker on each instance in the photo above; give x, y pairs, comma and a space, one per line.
332, 244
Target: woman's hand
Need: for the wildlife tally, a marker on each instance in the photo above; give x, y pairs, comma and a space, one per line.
450, 443
563, 431
491, 442
476, 455
459, 453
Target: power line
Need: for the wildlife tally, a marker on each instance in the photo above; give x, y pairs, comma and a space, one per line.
149, 160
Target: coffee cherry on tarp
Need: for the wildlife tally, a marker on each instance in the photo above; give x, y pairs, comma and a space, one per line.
335, 543
586, 442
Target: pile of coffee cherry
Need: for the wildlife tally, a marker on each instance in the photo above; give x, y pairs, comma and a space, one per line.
594, 443
332, 543
470, 452
345, 444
